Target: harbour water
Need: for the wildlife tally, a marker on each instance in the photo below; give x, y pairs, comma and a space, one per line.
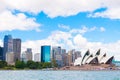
59, 75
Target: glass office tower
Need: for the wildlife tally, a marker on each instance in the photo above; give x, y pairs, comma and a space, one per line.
8, 45
45, 53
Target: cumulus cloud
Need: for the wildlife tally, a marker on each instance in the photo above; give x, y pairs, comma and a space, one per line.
54, 8
69, 41
64, 8
112, 10
20, 21
79, 40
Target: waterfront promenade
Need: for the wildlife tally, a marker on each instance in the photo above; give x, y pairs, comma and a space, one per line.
90, 67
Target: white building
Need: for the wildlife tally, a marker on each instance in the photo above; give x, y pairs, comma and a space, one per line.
37, 57
10, 58
93, 59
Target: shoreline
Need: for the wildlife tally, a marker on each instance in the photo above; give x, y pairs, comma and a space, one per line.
91, 67
86, 67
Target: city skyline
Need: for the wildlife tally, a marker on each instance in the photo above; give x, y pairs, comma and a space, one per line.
71, 24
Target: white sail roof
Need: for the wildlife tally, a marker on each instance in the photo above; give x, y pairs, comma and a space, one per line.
78, 61
99, 58
90, 59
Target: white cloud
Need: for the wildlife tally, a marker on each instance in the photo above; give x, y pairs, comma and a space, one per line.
112, 10
64, 26
54, 8
79, 40
68, 41
57, 38
64, 8
102, 29
83, 30
20, 21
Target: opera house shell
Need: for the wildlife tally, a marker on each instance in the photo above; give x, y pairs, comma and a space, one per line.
93, 59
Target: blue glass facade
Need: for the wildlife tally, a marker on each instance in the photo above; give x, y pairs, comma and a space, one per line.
8, 45
45, 53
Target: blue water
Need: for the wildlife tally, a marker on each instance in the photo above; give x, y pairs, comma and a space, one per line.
59, 75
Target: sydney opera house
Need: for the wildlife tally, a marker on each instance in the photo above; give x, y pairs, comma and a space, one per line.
96, 59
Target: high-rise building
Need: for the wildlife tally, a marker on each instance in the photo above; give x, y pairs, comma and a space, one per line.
57, 54
17, 48
1, 53
56, 51
45, 53
27, 55
29, 50
71, 57
63, 51
8, 45
64, 56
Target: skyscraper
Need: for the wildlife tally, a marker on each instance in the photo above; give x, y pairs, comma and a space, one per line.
71, 57
57, 53
1, 53
45, 53
27, 55
17, 48
8, 45
64, 56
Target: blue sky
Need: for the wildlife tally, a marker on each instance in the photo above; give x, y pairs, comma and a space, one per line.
77, 21
79, 25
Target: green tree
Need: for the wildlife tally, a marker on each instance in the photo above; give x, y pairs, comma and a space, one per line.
40, 65
3, 64
54, 64
47, 65
32, 65
20, 64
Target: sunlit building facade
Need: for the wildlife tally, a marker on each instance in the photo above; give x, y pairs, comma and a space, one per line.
37, 57
10, 58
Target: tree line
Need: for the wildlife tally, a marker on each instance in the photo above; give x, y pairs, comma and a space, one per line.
28, 65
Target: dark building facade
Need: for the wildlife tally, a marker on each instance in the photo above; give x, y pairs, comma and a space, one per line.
1, 53
17, 48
